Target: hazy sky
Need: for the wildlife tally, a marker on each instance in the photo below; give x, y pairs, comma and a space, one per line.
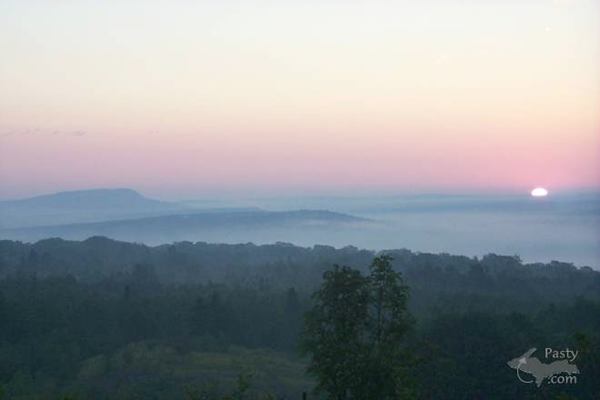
187, 98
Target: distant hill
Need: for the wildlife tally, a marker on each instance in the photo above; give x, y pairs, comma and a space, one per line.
78, 199
211, 225
80, 206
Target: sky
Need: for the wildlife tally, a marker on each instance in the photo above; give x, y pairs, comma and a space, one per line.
183, 99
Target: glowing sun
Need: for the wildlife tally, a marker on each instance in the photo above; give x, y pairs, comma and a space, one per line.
539, 192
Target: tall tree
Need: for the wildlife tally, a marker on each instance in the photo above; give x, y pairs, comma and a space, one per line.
335, 329
354, 333
385, 376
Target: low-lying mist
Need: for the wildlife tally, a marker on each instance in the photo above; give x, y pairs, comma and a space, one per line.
563, 228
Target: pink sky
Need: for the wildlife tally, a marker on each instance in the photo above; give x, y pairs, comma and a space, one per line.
181, 99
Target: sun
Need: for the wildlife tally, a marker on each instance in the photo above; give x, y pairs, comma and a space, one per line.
539, 192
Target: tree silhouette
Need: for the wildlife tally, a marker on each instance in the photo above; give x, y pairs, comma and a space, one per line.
354, 333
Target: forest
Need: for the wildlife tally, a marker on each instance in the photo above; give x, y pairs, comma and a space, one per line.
102, 319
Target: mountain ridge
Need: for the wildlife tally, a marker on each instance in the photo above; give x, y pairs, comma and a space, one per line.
92, 205
191, 225
63, 197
